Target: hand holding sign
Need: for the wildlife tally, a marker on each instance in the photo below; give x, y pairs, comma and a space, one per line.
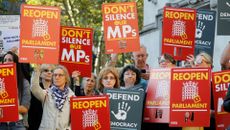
76, 77
199, 29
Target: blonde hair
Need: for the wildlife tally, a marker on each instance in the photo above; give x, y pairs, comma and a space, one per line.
103, 73
206, 56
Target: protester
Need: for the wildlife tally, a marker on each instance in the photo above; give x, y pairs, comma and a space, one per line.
35, 111
140, 58
225, 65
55, 100
27, 70
23, 95
166, 61
226, 103
225, 58
1, 55
87, 87
108, 78
2, 52
130, 78
203, 59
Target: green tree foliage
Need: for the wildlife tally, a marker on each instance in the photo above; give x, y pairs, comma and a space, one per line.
87, 14
10, 6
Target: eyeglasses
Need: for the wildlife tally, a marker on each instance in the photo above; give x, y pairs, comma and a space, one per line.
59, 75
108, 77
47, 70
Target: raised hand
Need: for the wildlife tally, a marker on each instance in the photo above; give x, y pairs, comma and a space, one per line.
123, 109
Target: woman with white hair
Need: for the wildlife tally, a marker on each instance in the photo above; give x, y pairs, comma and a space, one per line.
56, 105
87, 87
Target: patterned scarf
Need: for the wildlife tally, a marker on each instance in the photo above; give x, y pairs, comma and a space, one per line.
59, 96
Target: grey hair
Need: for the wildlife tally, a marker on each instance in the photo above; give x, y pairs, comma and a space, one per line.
85, 78
65, 72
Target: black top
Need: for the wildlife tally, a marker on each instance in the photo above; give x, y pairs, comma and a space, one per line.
35, 112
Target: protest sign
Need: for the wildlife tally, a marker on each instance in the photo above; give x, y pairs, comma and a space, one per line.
205, 32
90, 113
39, 36
9, 32
220, 85
126, 108
76, 49
8, 93
158, 96
179, 26
120, 27
223, 17
190, 97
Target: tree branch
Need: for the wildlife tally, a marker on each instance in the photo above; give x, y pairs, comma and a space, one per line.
69, 11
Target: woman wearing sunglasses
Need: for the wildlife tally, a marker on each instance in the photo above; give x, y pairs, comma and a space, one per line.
35, 111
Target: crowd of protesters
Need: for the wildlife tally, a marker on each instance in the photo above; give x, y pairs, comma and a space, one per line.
44, 95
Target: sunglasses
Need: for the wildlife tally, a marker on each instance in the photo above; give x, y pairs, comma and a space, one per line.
47, 70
